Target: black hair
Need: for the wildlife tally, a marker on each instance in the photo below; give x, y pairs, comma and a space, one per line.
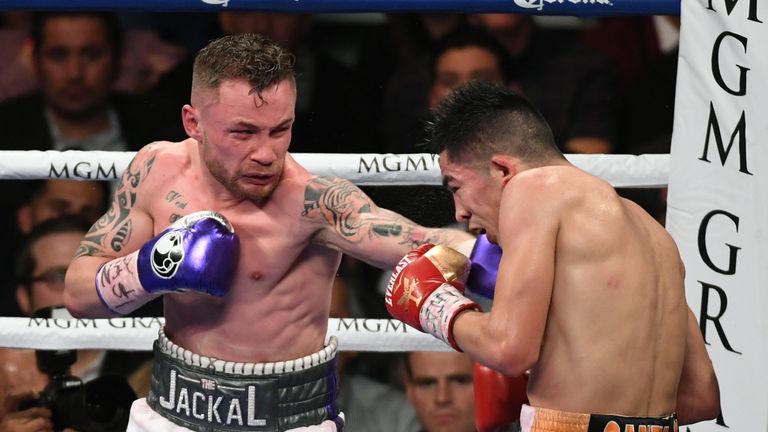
25, 260
464, 37
34, 189
111, 22
479, 119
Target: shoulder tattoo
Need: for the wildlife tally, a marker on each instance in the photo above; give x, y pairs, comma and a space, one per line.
110, 233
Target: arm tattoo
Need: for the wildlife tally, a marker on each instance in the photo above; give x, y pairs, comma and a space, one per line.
113, 229
109, 279
354, 216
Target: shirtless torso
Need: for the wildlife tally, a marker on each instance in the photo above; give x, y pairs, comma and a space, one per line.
614, 337
589, 297
277, 307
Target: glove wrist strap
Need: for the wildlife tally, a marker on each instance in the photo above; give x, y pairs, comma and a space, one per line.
119, 287
438, 312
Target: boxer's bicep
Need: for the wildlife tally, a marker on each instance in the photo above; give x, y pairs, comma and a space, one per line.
352, 223
126, 225
509, 337
528, 228
122, 229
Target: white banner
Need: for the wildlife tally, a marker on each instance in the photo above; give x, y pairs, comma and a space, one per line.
718, 196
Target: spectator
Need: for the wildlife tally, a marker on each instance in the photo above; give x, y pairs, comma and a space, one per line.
44, 200
41, 265
49, 199
368, 405
460, 56
439, 386
16, 75
393, 63
76, 57
574, 88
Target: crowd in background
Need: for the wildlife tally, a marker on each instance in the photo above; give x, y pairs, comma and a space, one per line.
366, 84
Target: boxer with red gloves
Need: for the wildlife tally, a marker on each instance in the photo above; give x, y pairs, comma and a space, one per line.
498, 397
426, 290
197, 253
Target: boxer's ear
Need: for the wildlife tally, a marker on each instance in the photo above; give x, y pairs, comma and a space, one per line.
504, 166
191, 121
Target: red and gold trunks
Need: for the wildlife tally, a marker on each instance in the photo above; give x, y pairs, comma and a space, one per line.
547, 420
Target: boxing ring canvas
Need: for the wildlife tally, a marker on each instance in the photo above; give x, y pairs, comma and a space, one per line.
718, 196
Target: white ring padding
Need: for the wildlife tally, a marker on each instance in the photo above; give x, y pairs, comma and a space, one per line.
137, 334
365, 169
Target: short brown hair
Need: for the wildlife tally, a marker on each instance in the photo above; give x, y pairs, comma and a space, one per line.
243, 56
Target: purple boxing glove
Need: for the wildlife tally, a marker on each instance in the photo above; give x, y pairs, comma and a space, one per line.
197, 253
485, 258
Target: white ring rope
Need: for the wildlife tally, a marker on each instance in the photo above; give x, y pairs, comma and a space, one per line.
138, 334
367, 169
363, 169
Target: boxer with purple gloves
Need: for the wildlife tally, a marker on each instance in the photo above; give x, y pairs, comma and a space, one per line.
252, 355
197, 253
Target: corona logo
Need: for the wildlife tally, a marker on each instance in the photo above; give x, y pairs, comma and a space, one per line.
223, 3
530, 4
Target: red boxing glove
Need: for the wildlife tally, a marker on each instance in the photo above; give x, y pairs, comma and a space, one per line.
498, 399
426, 290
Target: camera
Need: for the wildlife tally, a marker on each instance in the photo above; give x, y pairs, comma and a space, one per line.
100, 405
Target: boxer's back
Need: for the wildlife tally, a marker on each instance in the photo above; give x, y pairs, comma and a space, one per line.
615, 335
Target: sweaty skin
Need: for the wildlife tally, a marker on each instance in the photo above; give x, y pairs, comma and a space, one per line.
292, 226
589, 295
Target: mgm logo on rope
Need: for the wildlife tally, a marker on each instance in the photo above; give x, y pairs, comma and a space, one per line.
83, 170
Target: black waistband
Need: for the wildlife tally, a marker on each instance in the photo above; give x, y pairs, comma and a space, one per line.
602, 423
206, 399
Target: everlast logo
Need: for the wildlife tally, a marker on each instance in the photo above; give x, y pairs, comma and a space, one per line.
391, 285
83, 170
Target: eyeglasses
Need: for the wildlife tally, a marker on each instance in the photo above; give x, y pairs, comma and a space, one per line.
54, 276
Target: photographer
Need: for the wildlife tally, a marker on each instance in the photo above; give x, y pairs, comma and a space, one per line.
14, 419
41, 265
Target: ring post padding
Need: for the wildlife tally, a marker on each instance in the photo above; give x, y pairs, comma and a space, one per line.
137, 334
367, 169
533, 7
